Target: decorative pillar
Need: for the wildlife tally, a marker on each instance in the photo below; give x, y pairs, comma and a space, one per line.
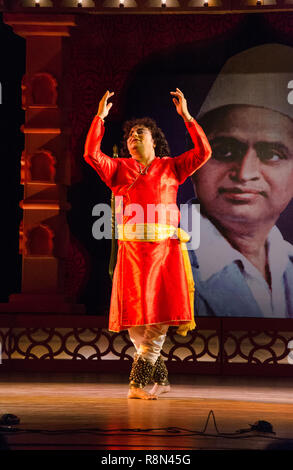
45, 164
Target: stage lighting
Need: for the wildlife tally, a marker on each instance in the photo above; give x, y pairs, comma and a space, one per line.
37, 3
79, 3
121, 4
163, 4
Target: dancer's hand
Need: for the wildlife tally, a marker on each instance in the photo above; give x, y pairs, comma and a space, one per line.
104, 106
181, 104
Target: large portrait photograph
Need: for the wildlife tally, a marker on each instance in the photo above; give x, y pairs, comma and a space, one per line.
238, 207
243, 264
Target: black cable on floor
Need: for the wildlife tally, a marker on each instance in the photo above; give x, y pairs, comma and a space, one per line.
146, 432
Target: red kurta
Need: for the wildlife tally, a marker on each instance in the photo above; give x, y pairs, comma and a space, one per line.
149, 283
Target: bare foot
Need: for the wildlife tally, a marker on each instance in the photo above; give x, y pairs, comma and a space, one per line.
159, 389
140, 393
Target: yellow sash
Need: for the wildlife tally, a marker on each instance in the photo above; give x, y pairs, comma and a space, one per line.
157, 232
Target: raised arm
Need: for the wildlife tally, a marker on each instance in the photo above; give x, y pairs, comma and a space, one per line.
105, 166
187, 163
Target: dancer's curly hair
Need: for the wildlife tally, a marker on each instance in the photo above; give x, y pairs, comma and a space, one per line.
162, 147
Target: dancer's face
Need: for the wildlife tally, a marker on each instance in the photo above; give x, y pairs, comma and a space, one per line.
249, 178
140, 140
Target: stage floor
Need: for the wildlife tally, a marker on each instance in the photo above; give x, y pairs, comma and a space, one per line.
90, 412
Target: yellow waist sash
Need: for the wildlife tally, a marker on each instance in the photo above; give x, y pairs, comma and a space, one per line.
158, 232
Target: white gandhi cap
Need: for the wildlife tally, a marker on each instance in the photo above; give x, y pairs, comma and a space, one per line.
260, 76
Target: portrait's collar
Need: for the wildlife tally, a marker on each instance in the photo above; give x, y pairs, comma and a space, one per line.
215, 252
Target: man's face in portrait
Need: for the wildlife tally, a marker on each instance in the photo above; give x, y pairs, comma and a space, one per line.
249, 178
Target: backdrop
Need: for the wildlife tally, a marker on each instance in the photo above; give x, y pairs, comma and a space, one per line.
142, 58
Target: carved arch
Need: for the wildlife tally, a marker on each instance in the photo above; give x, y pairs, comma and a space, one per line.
39, 90
38, 241
41, 166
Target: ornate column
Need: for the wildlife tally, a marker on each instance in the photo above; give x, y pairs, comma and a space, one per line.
45, 164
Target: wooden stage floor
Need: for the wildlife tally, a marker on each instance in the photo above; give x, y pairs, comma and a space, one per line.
91, 412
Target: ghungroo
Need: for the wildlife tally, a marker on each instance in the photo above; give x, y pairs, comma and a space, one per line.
141, 372
160, 375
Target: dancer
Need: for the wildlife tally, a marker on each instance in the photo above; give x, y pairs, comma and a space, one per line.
152, 284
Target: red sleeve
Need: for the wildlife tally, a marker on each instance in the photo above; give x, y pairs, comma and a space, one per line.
105, 166
187, 163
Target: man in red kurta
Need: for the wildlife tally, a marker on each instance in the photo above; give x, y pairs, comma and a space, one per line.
151, 283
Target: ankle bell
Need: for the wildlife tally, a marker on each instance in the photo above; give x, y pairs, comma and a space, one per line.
160, 375
141, 372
